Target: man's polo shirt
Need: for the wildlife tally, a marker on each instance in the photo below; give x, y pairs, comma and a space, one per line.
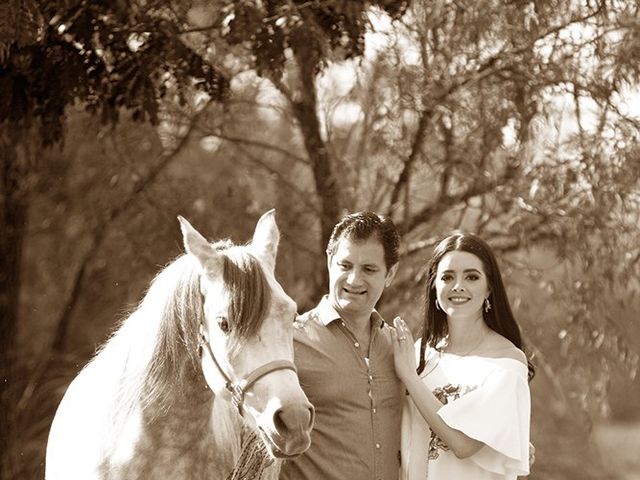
358, 401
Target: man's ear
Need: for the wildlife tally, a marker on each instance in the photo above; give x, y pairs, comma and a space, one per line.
390, 275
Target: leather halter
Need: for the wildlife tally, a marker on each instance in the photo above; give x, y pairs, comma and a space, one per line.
239, 388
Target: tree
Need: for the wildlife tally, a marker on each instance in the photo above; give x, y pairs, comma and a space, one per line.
509, 119
127, 55
110, 57
107, 56
502, 117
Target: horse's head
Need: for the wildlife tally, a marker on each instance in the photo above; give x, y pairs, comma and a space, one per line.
247, 336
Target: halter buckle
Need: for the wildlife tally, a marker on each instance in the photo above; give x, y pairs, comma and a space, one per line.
237, 395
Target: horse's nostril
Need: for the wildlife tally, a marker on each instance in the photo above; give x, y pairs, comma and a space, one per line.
312, 415
278, 421
286, 419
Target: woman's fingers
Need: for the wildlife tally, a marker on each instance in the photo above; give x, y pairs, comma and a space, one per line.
401, 329
403, 349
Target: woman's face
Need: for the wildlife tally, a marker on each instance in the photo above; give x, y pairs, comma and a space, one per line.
461, 284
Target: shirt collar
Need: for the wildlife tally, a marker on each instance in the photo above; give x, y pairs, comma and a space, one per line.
327, 314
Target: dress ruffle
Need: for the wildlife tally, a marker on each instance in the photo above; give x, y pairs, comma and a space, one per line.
496, 413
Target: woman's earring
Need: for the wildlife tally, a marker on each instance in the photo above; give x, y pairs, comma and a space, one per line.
487, 304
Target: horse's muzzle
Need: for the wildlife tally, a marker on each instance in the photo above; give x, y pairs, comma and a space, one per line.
290, 432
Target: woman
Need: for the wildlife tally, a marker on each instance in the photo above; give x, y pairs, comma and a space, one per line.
468, 413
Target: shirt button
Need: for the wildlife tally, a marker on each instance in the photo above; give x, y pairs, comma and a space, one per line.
377, 445
357, 344
375, 410
371, 377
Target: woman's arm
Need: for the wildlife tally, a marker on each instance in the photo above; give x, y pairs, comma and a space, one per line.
428, 405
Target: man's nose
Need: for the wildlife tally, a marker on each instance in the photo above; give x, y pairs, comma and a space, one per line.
354, 277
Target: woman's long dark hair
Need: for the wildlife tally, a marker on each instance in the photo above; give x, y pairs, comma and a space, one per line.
499, 318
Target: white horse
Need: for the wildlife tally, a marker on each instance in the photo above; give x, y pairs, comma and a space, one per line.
198, 382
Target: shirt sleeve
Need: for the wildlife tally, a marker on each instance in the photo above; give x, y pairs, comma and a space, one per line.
496, 413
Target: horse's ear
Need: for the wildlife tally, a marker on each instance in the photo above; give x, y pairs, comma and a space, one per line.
195, 244
266, 238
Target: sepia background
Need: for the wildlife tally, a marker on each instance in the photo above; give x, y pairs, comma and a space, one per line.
515, 119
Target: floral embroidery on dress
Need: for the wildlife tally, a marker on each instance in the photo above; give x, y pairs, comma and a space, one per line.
445, 394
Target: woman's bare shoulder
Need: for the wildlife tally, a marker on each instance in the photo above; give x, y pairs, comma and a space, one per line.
498, 346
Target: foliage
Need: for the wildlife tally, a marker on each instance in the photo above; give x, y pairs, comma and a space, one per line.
106, 55
500, 117
508, 118
110, 55
526, 143
511, 119
310, 28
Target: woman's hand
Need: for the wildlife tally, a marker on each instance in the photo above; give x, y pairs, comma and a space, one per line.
403, 349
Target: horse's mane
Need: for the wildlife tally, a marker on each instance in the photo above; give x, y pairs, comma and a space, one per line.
158, 342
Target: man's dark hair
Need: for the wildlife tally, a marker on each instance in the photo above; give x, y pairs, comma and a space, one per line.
362, 226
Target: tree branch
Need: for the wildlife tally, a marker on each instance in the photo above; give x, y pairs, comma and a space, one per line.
479, 187
260, 144
64, 319
416, 148
303, 195
305, 110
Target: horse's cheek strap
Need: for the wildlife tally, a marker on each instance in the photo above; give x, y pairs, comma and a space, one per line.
263, 370
238, 390
204, 342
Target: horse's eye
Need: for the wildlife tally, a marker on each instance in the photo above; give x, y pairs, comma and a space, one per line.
223, 324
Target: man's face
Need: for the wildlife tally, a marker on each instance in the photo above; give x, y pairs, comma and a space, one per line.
357, 277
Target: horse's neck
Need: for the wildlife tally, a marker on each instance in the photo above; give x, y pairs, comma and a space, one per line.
198, 436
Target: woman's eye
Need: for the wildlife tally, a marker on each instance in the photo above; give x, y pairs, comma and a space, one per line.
446, 278
473, 277
223, 324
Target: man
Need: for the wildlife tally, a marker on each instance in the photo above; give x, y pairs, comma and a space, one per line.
344, 356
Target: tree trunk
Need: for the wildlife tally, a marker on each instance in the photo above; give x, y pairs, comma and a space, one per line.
13, 208
305, 111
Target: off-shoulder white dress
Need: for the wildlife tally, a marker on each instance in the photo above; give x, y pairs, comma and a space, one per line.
486, 398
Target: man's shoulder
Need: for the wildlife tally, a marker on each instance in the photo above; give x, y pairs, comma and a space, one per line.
307, 320
306, 317
382, 324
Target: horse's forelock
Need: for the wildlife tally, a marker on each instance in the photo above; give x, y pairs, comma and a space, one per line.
249, 292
